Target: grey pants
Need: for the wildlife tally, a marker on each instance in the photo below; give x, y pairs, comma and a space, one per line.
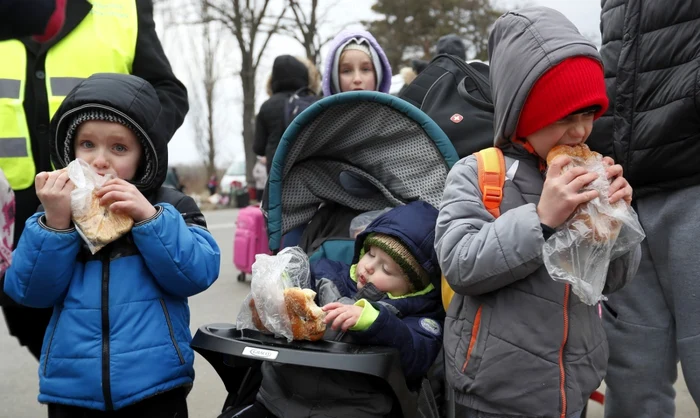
654, 321
465, 412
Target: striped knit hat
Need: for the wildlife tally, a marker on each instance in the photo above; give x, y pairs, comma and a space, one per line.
417, 277
364, 47
147, 164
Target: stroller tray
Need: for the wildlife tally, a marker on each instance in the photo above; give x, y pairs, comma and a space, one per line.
228, 349
246, 345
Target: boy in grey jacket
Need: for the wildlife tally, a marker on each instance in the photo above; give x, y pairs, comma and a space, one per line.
517, 343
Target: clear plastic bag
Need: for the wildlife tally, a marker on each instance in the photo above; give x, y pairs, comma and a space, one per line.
360, 222
96, 224
266, 307
7, 223
580, 250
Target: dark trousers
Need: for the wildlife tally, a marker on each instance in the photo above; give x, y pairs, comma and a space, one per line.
171, 404
28, 325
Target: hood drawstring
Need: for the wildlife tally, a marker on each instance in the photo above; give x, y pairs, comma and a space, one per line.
542, 163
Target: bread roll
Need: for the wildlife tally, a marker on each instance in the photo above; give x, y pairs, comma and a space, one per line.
256, 317
579, 154
305, 317
101, 226
603, 227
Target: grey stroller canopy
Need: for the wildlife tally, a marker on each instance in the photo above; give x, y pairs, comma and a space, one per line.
363, 150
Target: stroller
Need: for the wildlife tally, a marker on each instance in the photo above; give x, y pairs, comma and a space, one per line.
346, 154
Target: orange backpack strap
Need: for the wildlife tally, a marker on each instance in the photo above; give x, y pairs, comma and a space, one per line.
492, 175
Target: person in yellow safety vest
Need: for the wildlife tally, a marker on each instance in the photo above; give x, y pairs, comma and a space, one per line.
109, 36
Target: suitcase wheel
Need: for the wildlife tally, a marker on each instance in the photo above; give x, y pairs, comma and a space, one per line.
241, 277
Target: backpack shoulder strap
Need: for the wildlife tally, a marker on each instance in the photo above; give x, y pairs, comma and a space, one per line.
492, 175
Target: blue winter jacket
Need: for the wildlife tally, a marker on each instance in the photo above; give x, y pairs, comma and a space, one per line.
120, 326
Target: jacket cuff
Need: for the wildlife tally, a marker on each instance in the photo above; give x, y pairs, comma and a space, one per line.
42, 223
367, 317
547, 231
159, 210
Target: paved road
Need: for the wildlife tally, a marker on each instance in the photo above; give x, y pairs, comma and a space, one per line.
18, 369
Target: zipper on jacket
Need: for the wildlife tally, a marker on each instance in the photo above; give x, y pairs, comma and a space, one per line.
476, 326
562, 373
170, 330
106, 386
48, 349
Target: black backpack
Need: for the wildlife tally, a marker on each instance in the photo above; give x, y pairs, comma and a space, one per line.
457, 96
297, 103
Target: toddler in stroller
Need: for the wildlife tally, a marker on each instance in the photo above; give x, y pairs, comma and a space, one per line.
388, 297
347, 154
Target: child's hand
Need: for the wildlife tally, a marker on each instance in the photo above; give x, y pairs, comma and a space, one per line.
562, 193
53, 190
342, 316
620, 189
123, 197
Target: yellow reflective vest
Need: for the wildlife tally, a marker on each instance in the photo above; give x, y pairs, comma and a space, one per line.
104, 41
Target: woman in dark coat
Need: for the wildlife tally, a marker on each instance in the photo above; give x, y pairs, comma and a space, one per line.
288, 76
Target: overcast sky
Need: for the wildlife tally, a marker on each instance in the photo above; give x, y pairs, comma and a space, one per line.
585, 14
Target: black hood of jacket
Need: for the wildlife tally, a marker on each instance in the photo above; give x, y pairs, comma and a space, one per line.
133, 99
453, 45
288, 74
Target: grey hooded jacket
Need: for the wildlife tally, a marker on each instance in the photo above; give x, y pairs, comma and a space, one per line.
536, 349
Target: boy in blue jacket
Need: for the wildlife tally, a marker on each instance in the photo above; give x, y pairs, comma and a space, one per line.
118, 342
387, 297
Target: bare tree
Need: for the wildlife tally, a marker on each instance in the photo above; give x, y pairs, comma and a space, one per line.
204, 76
250, 21
304, 27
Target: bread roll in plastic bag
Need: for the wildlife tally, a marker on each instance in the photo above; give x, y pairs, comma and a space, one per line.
580, 251
7, 223
280, 301
97, 225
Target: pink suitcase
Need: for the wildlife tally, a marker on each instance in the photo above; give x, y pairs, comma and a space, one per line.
250, 239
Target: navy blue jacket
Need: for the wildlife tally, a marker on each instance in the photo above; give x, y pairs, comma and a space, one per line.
120, 326
413, 323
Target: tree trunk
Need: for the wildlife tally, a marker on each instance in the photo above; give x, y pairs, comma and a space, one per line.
248, 84
211, 157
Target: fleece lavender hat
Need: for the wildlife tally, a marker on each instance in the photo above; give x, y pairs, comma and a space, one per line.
381, 63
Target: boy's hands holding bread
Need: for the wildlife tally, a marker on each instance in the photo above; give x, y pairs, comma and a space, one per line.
124, 198
53, 190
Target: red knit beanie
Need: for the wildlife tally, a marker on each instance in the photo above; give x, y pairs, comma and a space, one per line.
574, 84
